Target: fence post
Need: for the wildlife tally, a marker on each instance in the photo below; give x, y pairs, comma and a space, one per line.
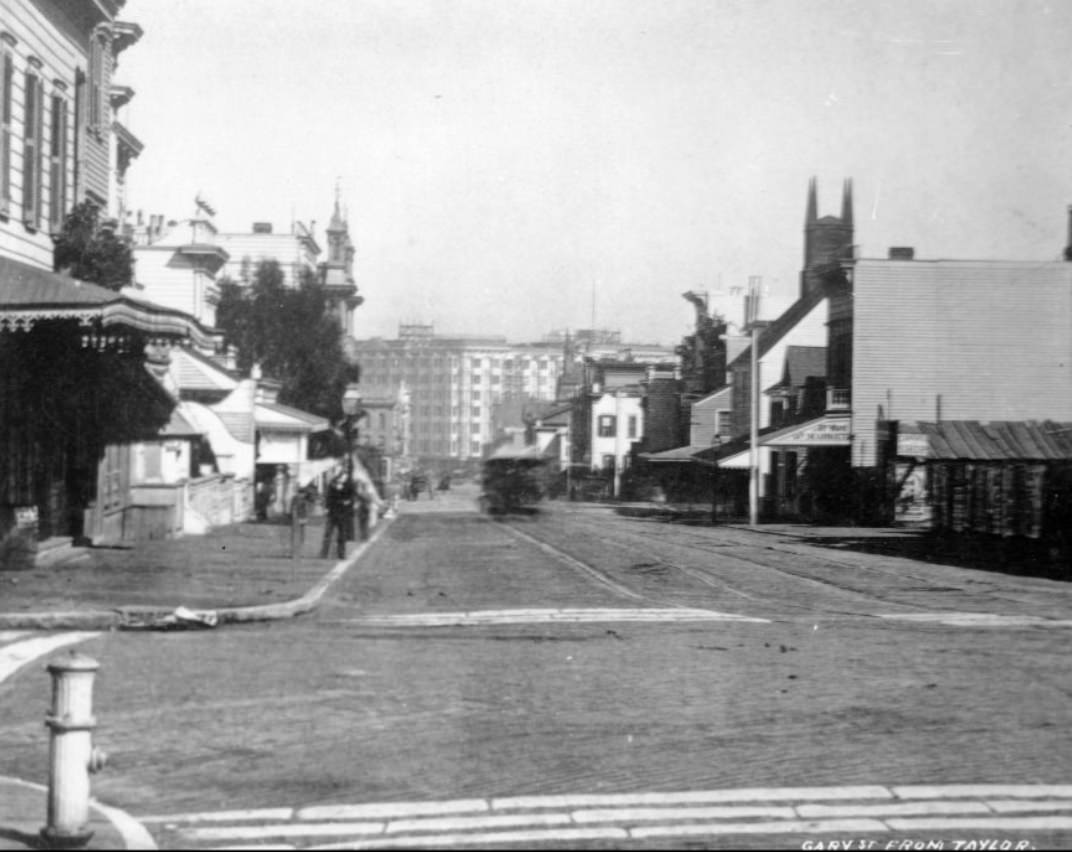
71, 753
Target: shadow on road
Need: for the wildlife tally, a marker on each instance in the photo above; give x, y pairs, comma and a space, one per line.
1018, 557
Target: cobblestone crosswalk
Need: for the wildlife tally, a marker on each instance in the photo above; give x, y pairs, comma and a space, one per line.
1011, 814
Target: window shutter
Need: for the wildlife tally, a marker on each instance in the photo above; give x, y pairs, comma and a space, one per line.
58, 164
29, 158
8, 81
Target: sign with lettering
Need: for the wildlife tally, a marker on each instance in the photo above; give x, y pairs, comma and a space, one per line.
824, 432
913, 444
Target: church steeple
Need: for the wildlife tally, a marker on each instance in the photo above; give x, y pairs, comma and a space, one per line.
812, 214
827, 240
846, 204
337, 272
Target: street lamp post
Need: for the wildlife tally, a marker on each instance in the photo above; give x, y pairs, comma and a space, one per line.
353, 413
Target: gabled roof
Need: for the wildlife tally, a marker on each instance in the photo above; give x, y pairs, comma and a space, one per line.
779, 328
801, 363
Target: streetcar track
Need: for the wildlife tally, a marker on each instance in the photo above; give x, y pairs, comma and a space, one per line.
696, 543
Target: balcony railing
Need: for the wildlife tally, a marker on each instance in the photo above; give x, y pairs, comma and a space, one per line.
838, 399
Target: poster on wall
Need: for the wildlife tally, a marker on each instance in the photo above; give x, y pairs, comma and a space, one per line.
912, 506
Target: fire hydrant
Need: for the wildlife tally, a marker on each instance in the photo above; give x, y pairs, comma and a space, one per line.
72, 756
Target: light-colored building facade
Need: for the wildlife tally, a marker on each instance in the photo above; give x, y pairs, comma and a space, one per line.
56, 123
296, 251
177, 264
941, 340
454, 383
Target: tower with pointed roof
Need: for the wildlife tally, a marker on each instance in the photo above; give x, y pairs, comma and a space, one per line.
337, 272
827, 240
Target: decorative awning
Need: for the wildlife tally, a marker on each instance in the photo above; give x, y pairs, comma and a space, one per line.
29, 294
821, 432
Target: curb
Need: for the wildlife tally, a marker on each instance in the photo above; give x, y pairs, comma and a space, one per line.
143, 618
133, 833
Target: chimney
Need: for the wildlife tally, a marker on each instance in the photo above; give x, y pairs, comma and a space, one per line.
262, 227
902, 253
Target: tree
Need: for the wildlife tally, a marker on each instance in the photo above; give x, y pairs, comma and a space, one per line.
703, 353
289, 332
92, 252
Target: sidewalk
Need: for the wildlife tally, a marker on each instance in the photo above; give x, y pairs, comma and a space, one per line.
23, 813
239, 572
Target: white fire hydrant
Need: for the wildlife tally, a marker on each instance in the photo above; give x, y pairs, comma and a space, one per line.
72, 756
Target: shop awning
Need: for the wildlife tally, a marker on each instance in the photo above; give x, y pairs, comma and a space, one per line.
826, 431
29, 294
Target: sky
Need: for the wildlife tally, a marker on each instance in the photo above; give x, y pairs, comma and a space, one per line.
515, 167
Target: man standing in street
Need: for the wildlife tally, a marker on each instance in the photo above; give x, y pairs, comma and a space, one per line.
340, 515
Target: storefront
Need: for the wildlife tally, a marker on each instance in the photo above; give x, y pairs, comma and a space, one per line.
807, 473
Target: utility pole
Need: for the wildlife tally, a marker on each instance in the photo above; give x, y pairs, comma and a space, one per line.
754, 325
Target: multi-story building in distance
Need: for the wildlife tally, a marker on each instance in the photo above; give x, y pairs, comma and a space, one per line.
455, 381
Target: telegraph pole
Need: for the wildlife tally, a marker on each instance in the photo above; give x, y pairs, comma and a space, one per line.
753, 323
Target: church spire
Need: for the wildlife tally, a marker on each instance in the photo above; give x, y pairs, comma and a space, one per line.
812, 216
846, 204
337, 221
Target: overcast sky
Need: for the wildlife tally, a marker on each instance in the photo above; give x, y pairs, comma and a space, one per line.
504, 161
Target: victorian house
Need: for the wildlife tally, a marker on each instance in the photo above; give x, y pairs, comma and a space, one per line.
76, 377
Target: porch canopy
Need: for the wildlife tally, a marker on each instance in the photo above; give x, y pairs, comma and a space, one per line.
29, 294
509, 452
703, 455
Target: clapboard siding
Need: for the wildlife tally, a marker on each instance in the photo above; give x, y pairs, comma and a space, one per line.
43, 32
960, 340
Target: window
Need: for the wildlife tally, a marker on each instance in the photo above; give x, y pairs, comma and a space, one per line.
722, 422
476, 378
608, 463
31, 150
475, 411
632, 425
7, 82
475, 429
474, 447
476, 395
607, 425
57, 202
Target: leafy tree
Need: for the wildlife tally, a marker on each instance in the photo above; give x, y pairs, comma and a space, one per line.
92, 252
703, 353
289, 332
